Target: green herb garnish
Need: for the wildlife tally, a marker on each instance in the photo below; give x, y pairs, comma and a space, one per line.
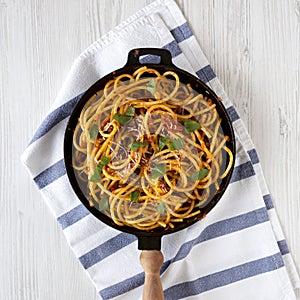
104, 161
136, 145
130, 111
127, 117
122, 119
159, 170
161, 207
199, 174
96, 177
134, 196
177, 144
151, 86
103, 202
162, 142
191, 125
94, 132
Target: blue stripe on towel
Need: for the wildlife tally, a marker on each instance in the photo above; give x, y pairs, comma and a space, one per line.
224, 227
224, 277
50, 174
283, 247
233, 115
173, 48
182, 32
242, 171
212, 231
72, 216
206, 74
253, 156
106, 249
55, 117
123, 287
268, 201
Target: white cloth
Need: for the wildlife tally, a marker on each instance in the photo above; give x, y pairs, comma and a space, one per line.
237, 252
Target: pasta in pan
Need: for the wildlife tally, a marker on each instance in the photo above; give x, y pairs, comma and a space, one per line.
150, 151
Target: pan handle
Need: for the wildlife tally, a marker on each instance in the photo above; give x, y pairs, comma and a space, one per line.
135, 54
151, 261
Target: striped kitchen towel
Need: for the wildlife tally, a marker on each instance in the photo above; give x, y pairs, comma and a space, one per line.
237, 252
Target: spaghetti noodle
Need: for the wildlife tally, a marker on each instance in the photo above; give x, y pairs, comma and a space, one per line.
149, 150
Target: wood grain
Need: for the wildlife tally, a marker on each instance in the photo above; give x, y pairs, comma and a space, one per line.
254, 47
151, 261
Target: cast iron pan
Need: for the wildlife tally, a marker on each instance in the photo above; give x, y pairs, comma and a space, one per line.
148, 241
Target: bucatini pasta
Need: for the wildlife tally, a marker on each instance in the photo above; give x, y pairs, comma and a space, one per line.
150, 151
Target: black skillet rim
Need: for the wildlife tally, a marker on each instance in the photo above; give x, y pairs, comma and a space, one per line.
185, 77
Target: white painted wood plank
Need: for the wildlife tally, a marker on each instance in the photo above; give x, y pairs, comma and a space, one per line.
254, 47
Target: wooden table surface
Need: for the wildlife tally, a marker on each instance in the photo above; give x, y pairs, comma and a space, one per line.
254, 47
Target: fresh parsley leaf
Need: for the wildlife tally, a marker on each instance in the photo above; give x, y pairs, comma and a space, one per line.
199, 174
130, 111
127, 117
96, 177
161, 207
94, 132
104, 161
159, 170
134, 196
151, 86
122, 119
136, 145
191, 125
177, 144
103, 202
162, 142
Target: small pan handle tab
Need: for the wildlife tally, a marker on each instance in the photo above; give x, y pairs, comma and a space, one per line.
135, 54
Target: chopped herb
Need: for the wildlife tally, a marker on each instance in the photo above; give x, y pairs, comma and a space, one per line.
122, 119
127, 117
136, 145
96, 177
129, 111
162, 142
191, 125
177, 144
134, 196
104, 161
199, 174
161, 207
103, 202
159, 170
151, 86
94, 132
